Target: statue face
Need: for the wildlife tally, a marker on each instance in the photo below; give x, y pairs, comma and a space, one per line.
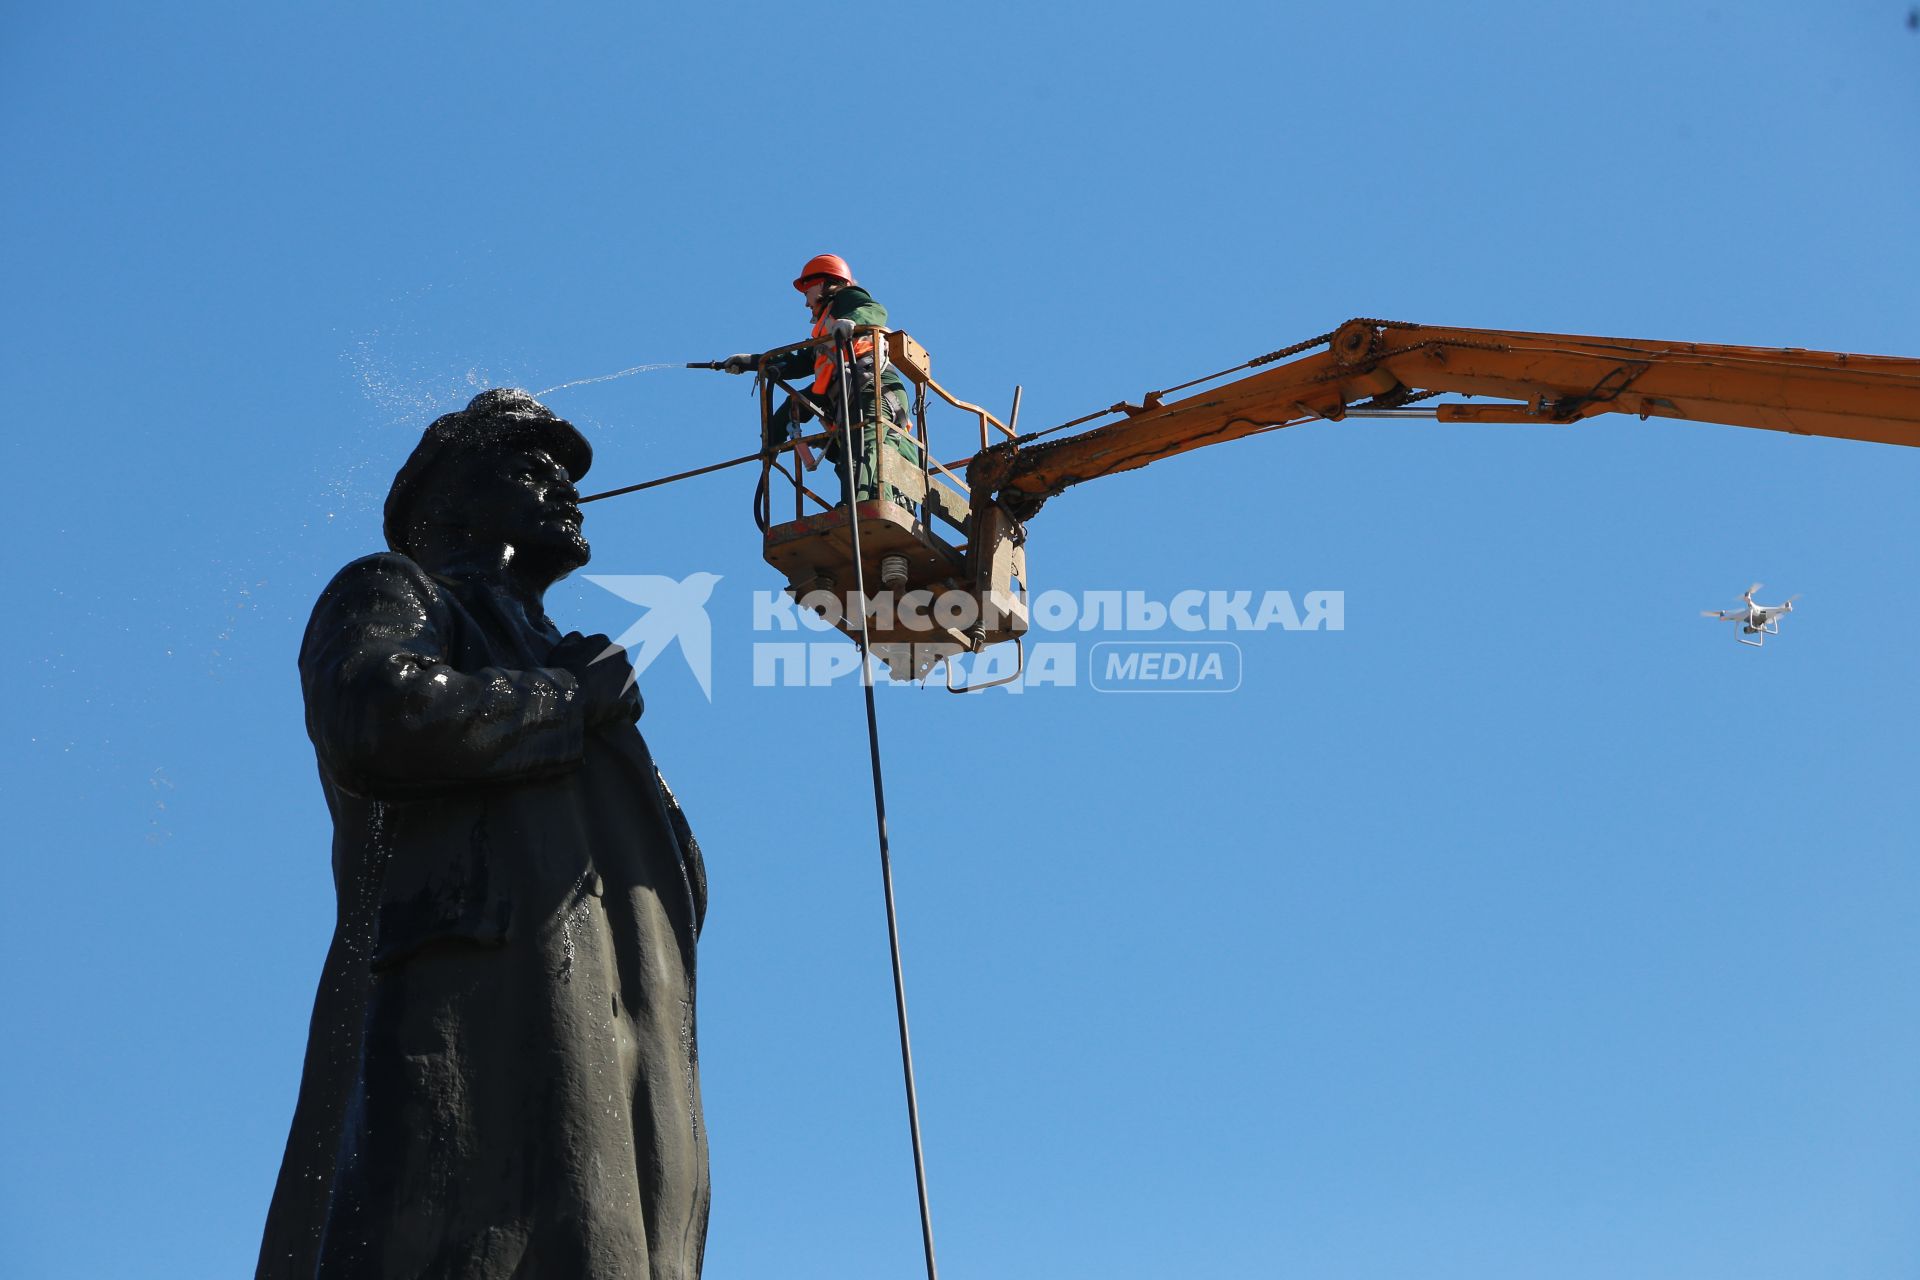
520, 497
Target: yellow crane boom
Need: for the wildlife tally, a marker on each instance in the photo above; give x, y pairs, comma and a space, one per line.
1538, 377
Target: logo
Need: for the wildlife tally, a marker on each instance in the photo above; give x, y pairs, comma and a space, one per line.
923, 630
1148, 666
674, 611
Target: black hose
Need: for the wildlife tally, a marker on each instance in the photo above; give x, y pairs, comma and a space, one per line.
854, 438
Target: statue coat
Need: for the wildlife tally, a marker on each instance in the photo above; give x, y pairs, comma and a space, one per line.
501, 1076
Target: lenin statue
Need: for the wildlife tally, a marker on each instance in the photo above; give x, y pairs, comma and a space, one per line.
501, 1078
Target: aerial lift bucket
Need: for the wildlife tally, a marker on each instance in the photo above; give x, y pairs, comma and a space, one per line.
946, 573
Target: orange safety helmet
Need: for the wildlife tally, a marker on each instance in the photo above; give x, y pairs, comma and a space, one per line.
824, 264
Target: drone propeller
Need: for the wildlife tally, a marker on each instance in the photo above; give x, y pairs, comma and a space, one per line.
1721, 614
1755, 587
1788, 606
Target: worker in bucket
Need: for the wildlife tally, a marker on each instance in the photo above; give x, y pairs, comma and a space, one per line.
838, 306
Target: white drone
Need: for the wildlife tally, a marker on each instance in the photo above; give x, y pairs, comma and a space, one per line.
1756, 620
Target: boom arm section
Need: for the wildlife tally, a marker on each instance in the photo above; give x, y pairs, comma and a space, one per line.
1540, 377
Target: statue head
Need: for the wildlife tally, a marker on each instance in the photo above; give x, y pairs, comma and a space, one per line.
493, 482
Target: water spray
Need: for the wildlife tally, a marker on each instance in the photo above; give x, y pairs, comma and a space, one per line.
609, 377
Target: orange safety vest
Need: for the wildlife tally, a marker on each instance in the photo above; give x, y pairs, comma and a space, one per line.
823, 355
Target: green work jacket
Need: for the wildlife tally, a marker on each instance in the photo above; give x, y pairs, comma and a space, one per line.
851, 303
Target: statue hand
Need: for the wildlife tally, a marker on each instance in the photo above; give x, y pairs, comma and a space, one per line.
606, 677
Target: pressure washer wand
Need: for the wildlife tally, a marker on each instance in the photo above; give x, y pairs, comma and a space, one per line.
707, 364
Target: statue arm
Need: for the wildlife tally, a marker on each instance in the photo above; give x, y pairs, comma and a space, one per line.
390, 717
690, 856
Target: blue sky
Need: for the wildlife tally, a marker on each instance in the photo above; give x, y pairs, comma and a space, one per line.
1527, 926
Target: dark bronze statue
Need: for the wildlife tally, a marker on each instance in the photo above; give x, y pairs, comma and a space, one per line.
501, 1078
